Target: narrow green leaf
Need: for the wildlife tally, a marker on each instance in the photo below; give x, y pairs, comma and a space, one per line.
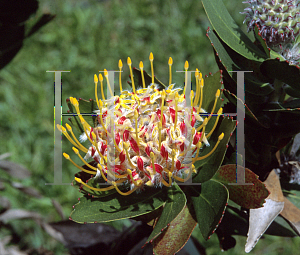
211, 84
229, 31
209, 201
261, 42
207, 167
248, 196
174, 205
255, 82
176, 235
117, 207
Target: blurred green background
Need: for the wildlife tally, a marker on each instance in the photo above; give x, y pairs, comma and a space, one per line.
85, 37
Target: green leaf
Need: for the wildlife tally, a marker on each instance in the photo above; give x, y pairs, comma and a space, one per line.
209, 202
280, 227
291, 211
117, 207
150, 218
233, 99
293, 195
292, 106
175, 203
261, 42
85, 107
252, 101
295, 103
290, 91
247, 196
211, 84
176, 235
229, 31
86, 178
291, 214
281, 70
294, 111
207, 167
239, 217
255, 82
275, 54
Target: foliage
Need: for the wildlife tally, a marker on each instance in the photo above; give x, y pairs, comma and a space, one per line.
271, 100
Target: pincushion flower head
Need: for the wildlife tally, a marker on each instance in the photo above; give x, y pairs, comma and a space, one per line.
278, 22
146, 136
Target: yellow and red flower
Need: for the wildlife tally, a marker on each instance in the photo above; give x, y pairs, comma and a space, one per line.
144, 137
